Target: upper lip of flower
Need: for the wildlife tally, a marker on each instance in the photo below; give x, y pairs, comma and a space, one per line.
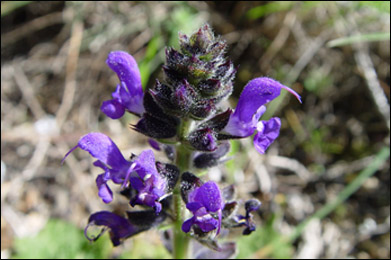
129, 93
251, 106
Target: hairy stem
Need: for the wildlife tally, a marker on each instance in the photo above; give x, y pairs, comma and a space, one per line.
182, 160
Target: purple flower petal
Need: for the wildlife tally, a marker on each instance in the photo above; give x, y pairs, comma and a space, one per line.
251, 103
186, 226
193, 206
144, 178
102, 148
203, 201
127, 71
154, 144
209, 196
268, 131
129, 93
113, 109
104, 191
145, 164
119, 227
203, 140
141, 173
208, 223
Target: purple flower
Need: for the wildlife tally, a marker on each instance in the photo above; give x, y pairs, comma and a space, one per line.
205, 202
129, 93
247, 221
244, 121
119, 227
140, 173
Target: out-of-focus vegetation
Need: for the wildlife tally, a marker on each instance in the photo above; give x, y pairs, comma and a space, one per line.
324, 184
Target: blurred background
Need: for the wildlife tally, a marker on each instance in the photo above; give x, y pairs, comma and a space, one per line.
324, 183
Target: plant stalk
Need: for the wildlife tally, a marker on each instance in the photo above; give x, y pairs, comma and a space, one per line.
182, 161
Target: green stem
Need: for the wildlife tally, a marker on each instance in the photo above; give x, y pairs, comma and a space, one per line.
182, 161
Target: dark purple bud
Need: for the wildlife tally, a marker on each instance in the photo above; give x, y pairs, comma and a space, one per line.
229, 209
188, 183
216, 51
226, 71
205, 160
225, 91
199, 73
183, 98
228, 192
203, 140
169, 151
145, 219
173, 76
218, 122
209, 87
162, 95
251, 227
155, 128
202, 39
173, 57
247, 221
203, 108
155, 123
252, 205
170, 173
183, 38
154, 110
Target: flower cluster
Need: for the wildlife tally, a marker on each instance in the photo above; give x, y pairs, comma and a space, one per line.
182, 115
